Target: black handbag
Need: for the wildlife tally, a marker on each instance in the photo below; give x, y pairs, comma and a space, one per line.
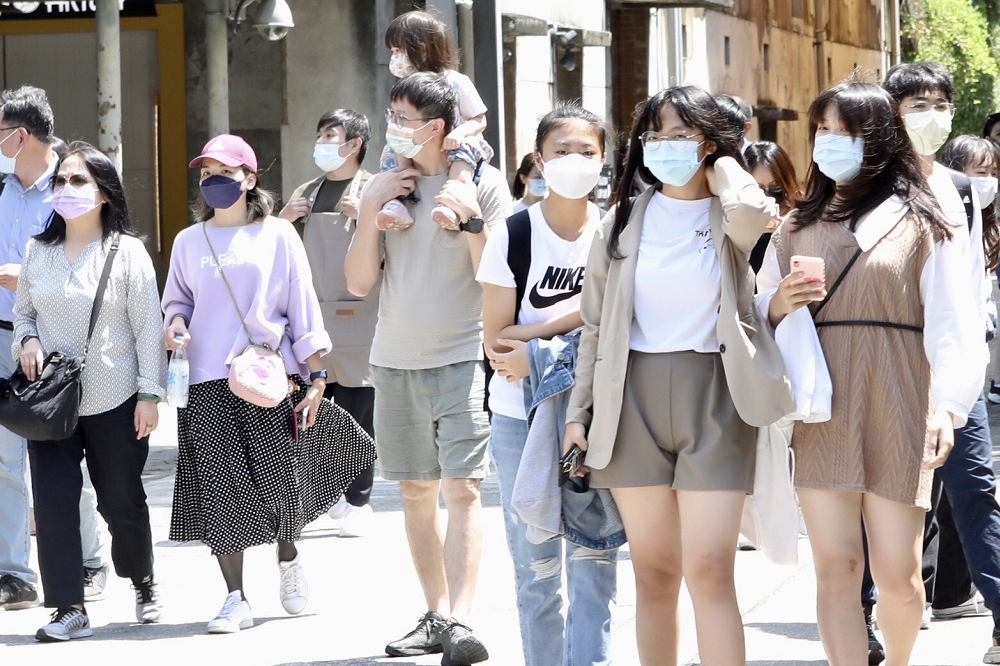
48, 408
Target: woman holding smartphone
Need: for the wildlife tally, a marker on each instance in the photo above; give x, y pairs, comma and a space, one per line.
246, 474
652, 405
895, 324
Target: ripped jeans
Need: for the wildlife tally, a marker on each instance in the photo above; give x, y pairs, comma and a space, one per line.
591, 576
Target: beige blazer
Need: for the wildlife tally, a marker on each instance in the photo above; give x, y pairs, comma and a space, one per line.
754, 369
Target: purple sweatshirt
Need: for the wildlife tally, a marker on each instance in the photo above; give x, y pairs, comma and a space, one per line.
266, 265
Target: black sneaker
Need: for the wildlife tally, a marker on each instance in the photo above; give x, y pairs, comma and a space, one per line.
461, 647
147, 601
876, 653
15, 594
993, 395
424, 639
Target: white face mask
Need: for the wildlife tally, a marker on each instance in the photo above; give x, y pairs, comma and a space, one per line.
400, 140
839, 157
327, 156
400, 65
672, 162
537, 187
8, 164
986, 188
928, 130
572, 176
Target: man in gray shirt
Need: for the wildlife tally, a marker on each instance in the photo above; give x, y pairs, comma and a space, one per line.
430, 427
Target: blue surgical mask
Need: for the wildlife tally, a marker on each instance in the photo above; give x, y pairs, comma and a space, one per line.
839, 157
672, 162
221, 192
537, 187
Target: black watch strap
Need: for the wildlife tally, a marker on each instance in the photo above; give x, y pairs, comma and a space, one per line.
319, 374
473, 225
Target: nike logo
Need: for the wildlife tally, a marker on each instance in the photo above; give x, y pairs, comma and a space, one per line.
569, 282
540, 302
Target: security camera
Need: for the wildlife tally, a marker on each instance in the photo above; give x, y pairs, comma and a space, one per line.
273, 19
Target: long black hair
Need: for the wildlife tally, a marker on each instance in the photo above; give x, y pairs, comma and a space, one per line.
965, 151
698, 110
114, 211
889, 167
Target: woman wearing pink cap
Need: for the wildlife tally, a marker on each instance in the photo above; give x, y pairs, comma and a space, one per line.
247, 474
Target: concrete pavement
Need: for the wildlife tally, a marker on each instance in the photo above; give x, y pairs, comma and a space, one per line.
364, 593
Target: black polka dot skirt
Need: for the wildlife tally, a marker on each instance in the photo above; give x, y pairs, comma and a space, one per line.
243, 476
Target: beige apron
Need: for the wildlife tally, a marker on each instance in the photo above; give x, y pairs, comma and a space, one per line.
349, 320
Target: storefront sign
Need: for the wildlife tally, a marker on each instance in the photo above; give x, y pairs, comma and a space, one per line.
63, 9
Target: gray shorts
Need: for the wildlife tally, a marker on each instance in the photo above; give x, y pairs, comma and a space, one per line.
430, 423
679, 428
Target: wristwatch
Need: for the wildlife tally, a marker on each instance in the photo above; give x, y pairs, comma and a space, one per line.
319, 374
474, 225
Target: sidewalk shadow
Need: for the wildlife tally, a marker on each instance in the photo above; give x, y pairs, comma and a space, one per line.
357, 661
801, 630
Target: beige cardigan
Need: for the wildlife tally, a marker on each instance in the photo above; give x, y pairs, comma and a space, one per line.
753, 365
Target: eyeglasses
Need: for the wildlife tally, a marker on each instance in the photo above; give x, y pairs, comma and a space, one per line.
653, 139
396, 118
76, 180
777, 192
940, 107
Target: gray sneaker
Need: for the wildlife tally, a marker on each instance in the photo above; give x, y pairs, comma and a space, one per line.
461, 647
66, 624
94, 582
147, 602
424, 639
15, 594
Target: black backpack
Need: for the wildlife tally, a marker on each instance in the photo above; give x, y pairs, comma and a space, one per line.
964, 187
519, 254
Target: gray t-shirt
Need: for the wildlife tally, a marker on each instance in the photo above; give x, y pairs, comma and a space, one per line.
430, 308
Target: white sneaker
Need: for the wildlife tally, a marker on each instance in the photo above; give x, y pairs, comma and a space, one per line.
294, 588
235, 615
357, 522
339, 510
925, 618
974, 607
67, 623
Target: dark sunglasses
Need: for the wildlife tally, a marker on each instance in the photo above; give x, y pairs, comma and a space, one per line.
76, 180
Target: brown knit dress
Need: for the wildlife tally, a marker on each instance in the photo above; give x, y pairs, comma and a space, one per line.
874, 440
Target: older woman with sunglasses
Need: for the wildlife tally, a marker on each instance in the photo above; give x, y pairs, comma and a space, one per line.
122, 380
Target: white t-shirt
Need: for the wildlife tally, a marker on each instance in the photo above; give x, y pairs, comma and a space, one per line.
470, 103
555, 282
678, 282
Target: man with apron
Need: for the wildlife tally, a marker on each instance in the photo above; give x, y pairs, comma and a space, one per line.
324, 211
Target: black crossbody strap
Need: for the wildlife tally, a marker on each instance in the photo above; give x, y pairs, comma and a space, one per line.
95, 309
838, 282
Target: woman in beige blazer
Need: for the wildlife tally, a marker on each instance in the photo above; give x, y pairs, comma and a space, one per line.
668, 316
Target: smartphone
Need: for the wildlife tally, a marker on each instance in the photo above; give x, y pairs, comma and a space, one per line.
811, 267
305, 417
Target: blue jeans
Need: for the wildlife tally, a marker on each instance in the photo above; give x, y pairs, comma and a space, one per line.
15, 542
591, 576
969, 482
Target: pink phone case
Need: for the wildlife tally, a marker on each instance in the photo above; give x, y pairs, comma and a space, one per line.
813, 267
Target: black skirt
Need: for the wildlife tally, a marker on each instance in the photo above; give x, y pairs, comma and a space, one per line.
247, 476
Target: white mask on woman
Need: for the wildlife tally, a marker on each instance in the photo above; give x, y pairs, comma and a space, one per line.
839, 157
572, 176
986, 188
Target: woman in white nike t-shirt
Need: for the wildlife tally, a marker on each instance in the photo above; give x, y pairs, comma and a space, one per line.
569, 152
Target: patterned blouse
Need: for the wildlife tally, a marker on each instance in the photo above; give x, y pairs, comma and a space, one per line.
54, 298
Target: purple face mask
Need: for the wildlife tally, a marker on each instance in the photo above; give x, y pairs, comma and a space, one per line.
73, 202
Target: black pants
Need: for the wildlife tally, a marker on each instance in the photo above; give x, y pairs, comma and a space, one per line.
115, 460
359, 402
947, 579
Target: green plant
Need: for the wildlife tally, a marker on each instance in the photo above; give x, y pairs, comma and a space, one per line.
956, 34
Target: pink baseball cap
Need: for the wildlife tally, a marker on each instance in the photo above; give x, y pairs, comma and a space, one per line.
229, 149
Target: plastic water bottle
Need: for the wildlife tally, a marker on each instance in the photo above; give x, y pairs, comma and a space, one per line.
177, 378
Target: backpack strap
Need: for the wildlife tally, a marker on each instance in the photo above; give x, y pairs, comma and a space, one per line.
519, 254
964, 187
